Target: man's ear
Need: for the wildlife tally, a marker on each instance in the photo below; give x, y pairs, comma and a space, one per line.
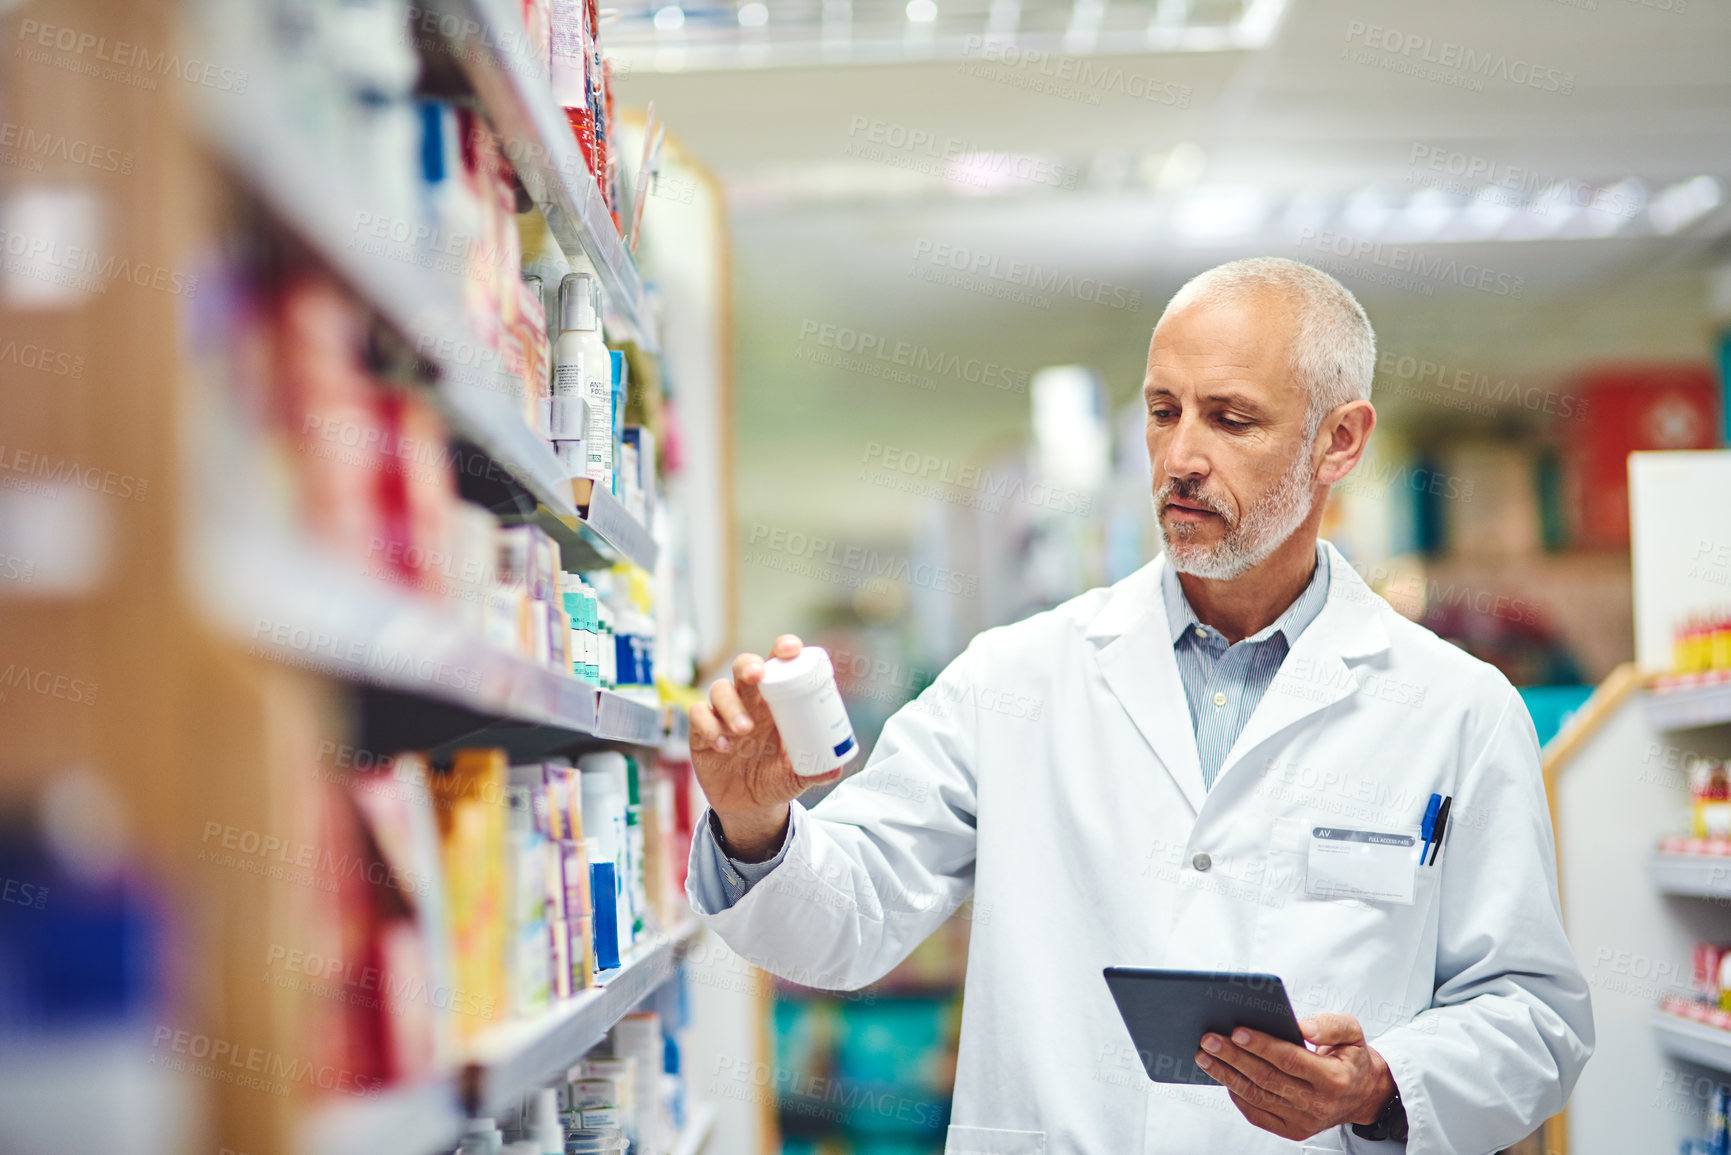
1342, 438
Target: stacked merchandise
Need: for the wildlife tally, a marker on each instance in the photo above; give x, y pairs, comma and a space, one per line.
471, 895
438, 197
1716, 1138
345, 454
365, 401
581, 83
1709, 810
1701, 649
1709, 1000
85, 939
627, 1095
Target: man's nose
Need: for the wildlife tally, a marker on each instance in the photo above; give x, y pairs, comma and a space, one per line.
1182, 452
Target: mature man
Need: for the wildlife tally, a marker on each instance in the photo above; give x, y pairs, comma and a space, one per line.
1188, 741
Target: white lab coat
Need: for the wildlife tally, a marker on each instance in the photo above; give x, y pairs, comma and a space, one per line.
1052, 771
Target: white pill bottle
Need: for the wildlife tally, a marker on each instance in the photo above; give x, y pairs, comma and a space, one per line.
808, 712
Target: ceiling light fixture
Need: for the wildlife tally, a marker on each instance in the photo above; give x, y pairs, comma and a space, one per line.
1684, 203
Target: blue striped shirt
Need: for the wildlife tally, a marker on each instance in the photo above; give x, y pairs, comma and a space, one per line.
1224, 683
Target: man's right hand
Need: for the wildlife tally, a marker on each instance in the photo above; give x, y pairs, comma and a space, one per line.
740, 762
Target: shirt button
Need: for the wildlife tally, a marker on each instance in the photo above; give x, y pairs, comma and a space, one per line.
1201, 861
1219, 698
1200, 632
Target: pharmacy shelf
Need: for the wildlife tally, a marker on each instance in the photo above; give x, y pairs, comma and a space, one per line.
410, 1120
509, 1061
324, 203
676, 735
490, 42
699, 1125
1697, 1042
295, 605
1700, 875
1683, 703
619, 719
253, 134
606, 516
486, 416
600, 533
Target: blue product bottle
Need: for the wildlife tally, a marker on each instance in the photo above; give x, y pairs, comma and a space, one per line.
604, 894
618, 360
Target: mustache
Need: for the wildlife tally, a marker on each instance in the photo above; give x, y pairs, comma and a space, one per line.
1189, 489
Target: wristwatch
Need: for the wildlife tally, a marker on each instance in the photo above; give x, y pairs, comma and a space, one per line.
1390, 1122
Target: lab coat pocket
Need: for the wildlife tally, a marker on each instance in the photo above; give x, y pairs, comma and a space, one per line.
1338, 954
992, 1141
1291, 873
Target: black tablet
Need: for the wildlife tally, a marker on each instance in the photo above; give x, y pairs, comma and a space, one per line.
1168, 1012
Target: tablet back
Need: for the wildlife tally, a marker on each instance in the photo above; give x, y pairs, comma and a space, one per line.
1168, 1012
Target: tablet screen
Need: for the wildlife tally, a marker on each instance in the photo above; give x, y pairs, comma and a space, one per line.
1168, 1011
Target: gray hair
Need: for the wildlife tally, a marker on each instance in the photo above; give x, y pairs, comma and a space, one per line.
1334, 350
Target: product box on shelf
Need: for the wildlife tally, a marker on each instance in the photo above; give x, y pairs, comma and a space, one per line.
470, 798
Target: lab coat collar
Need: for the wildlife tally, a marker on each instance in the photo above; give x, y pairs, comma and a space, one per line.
1133, 639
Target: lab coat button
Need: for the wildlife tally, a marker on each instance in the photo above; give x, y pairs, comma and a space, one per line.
1201, 861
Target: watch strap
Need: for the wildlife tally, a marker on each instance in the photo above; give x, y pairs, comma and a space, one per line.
1390, 1122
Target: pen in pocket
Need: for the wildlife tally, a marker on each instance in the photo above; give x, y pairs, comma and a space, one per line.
1442, 826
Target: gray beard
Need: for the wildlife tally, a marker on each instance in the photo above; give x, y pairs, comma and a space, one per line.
1250, 540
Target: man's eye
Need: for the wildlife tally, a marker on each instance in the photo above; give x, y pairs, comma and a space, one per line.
1235, 426
1160, 412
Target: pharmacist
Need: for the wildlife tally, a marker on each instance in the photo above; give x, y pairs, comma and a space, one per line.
1153, 802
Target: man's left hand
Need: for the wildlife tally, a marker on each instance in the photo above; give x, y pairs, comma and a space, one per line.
1295, 1092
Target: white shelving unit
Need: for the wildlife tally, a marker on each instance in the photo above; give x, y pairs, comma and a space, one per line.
619, 719
305, 610
1618, 786
501, 1067
699, 1125
415, 1120
517, 1057
1697, 1042
320, 616
1696, 875
293, 604
490, 44
254, 133
1683, 707
602, 532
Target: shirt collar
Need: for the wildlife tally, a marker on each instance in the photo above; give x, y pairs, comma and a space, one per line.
1290, 624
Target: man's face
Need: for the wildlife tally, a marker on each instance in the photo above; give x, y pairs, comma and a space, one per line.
1234, 472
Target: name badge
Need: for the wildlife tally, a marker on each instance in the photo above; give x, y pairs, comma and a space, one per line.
1364, 864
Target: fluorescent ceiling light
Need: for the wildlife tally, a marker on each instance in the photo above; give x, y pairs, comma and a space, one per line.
1367, 211
1426, 213
885, 31
1613, 208
1488, 211
669, 19
753, 15
1216, 214
1083, 31
1550, 210
1182, 167
1261, 20
1308, 209
1684, 203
